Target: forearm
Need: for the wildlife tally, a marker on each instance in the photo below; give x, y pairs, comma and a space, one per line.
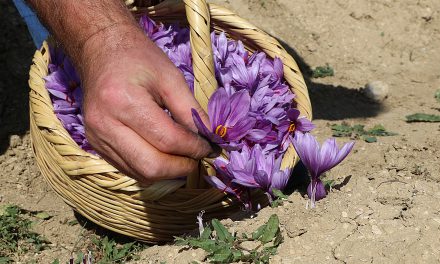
75, 23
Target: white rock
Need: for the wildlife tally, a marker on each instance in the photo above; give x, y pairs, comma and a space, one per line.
376, 91
375, 229
14, 141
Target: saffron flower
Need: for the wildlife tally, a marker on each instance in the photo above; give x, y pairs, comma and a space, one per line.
249, 168
224, 180
293, 125
229, 118
255, 169
319, 159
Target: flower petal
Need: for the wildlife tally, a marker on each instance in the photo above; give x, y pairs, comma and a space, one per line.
218, 108
308, 150
304, 125
240, 129
203, 130
217, 183
316, 190
262, 178
343, 152
293, 114
279, 180
240, 103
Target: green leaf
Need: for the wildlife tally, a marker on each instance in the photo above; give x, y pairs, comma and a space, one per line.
257, 233
43, 215
437, 95
207, 245
276, 203
222, 233
180, 241
342, 130
223, 255
420, 117
72, 222
271, 230
357, 131
328, 183
206, 234
56, 261
379, 130
370, 139
5, 260
323, 71
279, 194
79, 258
278, 239
236, 255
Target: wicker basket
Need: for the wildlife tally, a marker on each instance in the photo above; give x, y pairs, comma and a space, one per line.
115, 201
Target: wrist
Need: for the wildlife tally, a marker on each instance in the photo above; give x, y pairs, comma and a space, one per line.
106, 47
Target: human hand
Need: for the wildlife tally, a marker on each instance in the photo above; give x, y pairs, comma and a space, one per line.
127, 82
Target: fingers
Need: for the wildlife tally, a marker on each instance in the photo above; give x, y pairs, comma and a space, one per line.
136, 157
156, 127
178, 99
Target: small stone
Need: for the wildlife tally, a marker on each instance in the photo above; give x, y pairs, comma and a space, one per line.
376, 91
375, 229
344, 214
14, 141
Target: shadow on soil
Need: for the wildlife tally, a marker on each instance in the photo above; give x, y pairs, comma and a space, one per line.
16, 50
331, 102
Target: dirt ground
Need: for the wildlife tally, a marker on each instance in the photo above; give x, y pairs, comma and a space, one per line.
387, 210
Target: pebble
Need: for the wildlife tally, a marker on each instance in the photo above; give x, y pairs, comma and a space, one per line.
375, 229
377, 91
14, 141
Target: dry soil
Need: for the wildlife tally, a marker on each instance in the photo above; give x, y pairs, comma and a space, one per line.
386, 209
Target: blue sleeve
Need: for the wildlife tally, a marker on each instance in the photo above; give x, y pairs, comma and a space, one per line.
38, 32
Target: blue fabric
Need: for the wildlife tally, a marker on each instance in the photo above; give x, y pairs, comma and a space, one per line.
38, 32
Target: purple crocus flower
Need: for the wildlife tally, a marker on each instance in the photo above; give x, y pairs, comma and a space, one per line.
181, 55
64, 82
293, 125
224, 180
160, 35
298, 123
244, 77
266, 174
229, 118
252, 168
319, 160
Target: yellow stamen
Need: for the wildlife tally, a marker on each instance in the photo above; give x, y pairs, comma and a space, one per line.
292, 127
221, 130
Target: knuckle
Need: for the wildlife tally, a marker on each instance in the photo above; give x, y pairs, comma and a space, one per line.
109, 95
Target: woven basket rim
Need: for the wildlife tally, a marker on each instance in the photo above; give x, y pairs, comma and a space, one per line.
72, 171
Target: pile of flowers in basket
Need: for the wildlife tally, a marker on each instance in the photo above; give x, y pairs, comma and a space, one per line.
252, 114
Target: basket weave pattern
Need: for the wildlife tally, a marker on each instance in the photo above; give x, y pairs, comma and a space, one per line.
117, 202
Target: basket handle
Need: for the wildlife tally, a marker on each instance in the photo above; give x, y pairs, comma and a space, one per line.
197, 13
